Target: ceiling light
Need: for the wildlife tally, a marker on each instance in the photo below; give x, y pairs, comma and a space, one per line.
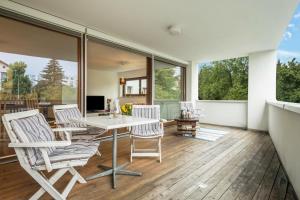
174, 30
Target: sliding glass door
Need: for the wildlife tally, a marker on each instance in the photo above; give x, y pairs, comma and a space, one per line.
39, 68
169, 88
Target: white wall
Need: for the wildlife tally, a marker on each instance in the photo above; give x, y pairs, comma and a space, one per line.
227, 113
261, 87
192, 82
284, 129
104, 83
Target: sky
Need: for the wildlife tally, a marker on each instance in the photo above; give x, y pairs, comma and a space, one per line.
290, 44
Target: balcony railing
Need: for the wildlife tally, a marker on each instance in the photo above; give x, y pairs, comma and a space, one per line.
169, 109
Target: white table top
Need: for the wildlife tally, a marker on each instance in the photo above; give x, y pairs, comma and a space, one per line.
121, 121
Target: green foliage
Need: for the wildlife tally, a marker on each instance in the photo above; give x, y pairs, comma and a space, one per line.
224, 80
288, 81
17, 82
167, 84
69, 94
50, 86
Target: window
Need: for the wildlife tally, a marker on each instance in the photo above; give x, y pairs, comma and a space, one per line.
135, 86
224, 80
169, 88
41, 65
288, 65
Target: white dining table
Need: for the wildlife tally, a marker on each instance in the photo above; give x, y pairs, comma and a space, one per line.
115, 123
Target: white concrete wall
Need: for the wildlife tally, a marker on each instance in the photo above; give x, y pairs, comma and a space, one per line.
261, 87
192, 82
104, 83
284, 129
226, 113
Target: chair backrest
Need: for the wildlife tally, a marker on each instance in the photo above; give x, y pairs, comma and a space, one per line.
187, 106
66, 114
28, 127
146, 111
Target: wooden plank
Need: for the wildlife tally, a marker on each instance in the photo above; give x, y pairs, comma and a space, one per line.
280, 186
248, 191
236, 187
164, 184
266, 185
216, 165
234, 176
168, 165
230, 172
197, 179
290, 194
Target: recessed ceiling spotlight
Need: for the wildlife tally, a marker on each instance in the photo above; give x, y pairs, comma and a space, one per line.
174, 29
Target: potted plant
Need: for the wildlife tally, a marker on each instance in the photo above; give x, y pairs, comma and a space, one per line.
126, 109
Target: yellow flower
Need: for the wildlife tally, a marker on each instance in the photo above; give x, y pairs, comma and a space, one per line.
124, 109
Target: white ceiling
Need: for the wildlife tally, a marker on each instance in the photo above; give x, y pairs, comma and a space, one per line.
103, 57
211, 29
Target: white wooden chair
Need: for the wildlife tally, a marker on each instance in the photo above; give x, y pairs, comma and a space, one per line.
70, 116
37, 151
146, 132
189, 106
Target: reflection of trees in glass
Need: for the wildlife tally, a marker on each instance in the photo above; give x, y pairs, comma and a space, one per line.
226, 79
17, 83
51, 84
167, 84
288, 81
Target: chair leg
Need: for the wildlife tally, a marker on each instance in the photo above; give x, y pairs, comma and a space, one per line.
159, 148
47, 185
98, 153
131, 148
74, 172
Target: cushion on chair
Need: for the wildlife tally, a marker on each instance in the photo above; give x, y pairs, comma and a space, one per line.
68, 115
147, 130
33, 129
76, 151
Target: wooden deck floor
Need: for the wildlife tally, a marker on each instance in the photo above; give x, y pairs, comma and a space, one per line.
241, 165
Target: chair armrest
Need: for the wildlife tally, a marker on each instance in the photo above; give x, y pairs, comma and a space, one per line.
40, 144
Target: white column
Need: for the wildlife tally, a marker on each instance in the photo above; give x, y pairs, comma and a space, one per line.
192, 82
261, 87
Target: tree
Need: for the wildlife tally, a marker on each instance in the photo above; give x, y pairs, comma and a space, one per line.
167, 84
17, 83
288, 81
226, 79
51, 84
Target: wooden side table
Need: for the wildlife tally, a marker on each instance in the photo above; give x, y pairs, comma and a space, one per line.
187, 125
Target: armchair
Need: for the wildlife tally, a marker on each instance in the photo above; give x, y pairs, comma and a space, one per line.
37, 150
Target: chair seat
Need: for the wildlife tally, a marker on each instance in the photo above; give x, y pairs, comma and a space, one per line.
77, 150
147, 133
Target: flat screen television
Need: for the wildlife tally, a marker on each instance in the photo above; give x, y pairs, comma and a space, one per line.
95, 103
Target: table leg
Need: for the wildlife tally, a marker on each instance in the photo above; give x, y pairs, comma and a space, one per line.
115, 169
114, 158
